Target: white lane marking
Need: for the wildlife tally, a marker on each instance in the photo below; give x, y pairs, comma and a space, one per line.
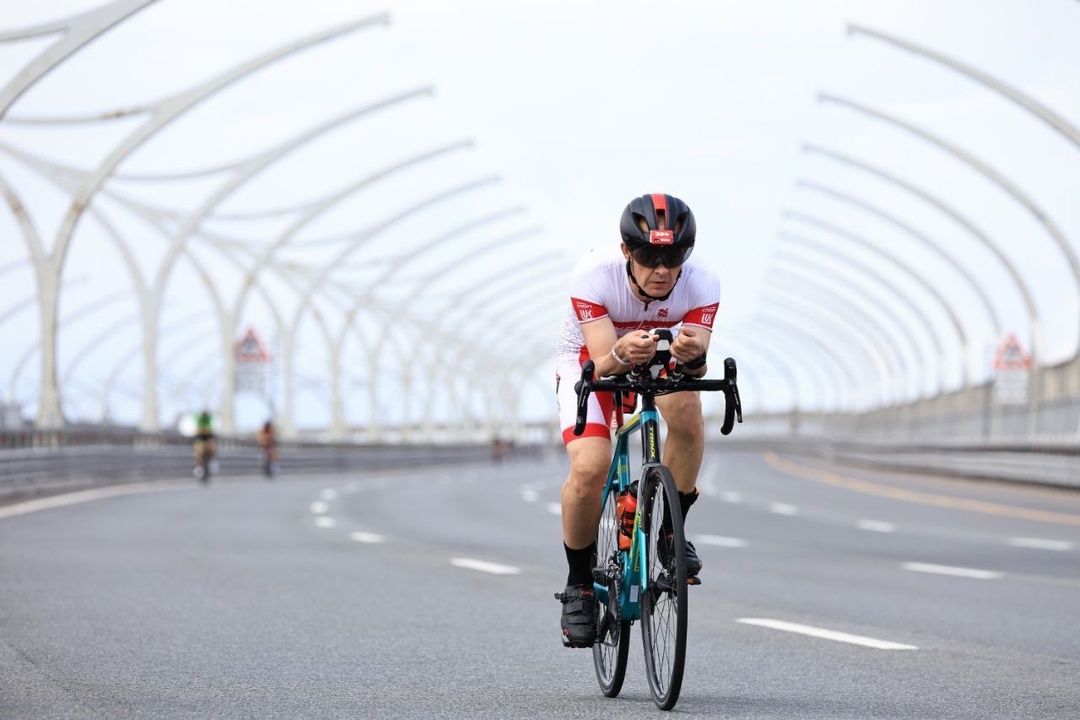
325, 522
529, 495
783, 509
731, 496
877, 526
319, 507
827, 634
554, 508
955, 571
483, 566
55, 501
719, 540
1040, 544
328, 494
367, 537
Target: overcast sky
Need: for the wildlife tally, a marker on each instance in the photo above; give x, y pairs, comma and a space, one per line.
579, 106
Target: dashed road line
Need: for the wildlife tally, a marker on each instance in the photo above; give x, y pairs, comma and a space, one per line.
954, 571
367, 537
783, 508
319, 507
877, 526
827, 634
719, 541
1041, 544
484, 566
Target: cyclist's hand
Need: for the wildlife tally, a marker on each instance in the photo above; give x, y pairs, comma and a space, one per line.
639, 347
689, 344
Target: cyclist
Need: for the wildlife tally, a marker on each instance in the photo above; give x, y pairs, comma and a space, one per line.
616, 296
205, 442
267, 439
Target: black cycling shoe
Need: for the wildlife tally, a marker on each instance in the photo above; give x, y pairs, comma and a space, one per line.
693, 562
578, 616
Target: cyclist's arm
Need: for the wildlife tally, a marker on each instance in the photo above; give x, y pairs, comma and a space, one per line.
600, 339
691, 343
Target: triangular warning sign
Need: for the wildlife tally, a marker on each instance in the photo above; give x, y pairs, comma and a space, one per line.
1010, 355
250, 348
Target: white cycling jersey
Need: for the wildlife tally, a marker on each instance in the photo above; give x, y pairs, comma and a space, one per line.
599, 288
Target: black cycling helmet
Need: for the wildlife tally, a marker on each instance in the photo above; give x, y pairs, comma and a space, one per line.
679, 228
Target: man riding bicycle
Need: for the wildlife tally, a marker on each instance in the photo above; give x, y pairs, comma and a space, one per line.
616, 297
205, 445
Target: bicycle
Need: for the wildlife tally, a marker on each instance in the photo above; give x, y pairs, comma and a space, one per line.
205, 460
645, 579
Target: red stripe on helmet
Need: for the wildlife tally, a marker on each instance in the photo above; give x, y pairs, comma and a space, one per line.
659, 203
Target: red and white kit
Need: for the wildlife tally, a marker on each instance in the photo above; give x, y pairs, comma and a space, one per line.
600, 288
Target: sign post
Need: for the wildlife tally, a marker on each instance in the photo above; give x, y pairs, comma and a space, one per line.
1013, 371
252, 363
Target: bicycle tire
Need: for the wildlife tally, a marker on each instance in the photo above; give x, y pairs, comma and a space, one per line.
612, 647
664, 606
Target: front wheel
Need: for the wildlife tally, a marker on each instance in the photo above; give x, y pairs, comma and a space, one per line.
612, 647
664, 607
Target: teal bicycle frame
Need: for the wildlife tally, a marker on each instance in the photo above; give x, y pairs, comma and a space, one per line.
635, 571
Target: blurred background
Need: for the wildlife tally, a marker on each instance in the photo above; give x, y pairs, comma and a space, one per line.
358, 219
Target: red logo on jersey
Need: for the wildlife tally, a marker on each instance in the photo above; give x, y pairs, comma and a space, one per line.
586, 310
661, 237
662, 312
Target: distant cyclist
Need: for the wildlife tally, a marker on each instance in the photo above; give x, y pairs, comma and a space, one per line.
617, 294
205, 445
267, 439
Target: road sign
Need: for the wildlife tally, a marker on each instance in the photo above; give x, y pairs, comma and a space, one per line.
1011, 356
250, 349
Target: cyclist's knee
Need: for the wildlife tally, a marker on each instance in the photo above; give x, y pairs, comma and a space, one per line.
683, 415
590, 459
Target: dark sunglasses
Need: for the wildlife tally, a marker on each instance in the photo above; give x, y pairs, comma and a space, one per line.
654, 257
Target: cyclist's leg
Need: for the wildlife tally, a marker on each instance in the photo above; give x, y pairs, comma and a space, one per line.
683, 451
685, 442
590, 457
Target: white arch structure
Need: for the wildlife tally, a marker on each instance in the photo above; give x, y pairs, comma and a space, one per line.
306, 293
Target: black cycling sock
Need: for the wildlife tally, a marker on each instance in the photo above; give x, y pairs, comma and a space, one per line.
686, 500
581, 564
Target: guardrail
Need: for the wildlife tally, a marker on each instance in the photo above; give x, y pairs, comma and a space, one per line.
1045, 463
36, 463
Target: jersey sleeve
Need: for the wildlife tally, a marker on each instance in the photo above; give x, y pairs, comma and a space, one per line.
586, 292
705, 300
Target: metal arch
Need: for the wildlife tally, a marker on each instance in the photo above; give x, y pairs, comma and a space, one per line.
766, 353
889, 257
818, 360
246, 170
327, 269
853, 370
162, 114
899, 360
886, 361
801, 265
1042, 112
80, 30
952, 262
1025, 293
986, 171
425, 282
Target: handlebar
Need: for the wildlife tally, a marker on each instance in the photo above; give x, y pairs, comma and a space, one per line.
642, 381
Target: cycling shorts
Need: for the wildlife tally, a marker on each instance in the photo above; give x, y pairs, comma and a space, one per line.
600, 417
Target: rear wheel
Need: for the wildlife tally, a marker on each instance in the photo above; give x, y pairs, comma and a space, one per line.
612, 647
664, 603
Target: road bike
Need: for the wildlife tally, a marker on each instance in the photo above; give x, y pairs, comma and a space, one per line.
643, 577
205, 460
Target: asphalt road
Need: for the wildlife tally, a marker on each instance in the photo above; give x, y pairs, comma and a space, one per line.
827, 593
